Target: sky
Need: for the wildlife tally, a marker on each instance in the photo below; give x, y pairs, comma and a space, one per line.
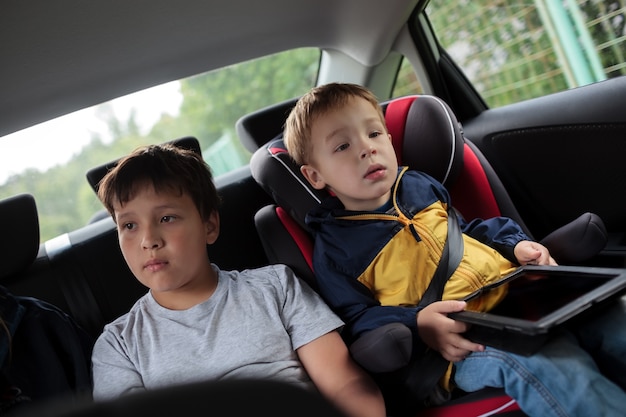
77, 129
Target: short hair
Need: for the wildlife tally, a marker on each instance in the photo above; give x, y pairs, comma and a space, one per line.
317, 102
165, 167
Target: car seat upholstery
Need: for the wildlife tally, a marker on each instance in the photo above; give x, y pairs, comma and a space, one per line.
426, 136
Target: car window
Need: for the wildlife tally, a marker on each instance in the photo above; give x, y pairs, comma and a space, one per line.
406, 82
513, 51
50, 160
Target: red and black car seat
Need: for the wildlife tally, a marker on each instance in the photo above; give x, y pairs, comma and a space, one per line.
426, 136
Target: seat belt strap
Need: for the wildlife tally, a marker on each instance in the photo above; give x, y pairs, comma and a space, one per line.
426, 368
450, 258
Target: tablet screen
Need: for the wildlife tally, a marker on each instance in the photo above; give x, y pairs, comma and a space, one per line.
536, 294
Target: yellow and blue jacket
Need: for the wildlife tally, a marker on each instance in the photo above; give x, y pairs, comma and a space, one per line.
372, 268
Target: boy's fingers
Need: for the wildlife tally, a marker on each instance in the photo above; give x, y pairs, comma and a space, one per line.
470, 346
460, 350
450, 306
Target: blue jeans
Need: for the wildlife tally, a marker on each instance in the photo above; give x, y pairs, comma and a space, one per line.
564, 378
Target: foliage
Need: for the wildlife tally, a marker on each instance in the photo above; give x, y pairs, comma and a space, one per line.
513, 51
212, 103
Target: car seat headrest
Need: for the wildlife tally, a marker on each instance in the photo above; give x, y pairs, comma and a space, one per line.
275, 171
425, 134
95, 175
20, 242
258, 128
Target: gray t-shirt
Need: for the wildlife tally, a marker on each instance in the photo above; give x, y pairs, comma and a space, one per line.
249, 328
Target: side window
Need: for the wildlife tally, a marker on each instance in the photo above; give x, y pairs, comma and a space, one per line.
205, 106
513, 51
406, 81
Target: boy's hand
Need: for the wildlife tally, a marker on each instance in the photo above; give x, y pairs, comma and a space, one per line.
532, 253
442, 333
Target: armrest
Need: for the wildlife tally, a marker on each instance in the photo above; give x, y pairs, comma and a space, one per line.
384, 349
578, 240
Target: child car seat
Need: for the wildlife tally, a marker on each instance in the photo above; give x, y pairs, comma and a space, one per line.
428, 137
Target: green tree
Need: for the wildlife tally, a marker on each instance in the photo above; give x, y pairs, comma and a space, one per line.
214, 101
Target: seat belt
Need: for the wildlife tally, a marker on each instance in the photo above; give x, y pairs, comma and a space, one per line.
426, 368
450, 259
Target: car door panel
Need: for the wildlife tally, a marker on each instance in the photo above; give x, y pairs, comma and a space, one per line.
562, 155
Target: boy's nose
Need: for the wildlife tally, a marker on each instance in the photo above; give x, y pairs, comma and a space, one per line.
151, 241
368, 150
152, 245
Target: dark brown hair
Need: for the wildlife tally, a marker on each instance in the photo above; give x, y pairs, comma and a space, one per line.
165, 167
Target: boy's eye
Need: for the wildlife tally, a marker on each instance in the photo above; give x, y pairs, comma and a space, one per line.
128, 226
375, 134
342, 147
168, 219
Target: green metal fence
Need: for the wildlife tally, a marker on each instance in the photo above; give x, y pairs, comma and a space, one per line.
515, 50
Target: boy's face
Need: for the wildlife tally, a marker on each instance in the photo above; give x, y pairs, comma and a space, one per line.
352, 154
163, 240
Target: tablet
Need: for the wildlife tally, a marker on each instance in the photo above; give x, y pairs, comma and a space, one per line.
539, 300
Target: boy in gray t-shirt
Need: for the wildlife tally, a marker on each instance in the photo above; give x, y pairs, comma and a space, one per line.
197, 322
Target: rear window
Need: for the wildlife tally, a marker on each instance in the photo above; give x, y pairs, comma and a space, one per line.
50, 160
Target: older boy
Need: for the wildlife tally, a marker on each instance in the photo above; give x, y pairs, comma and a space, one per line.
380, 238
198, 322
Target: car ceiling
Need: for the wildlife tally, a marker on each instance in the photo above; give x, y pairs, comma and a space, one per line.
61, 56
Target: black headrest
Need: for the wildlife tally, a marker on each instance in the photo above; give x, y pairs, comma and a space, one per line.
95, 175
258, 128
20, 237
425, 134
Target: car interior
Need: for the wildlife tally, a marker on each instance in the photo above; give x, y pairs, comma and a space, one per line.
554, 163
91, 288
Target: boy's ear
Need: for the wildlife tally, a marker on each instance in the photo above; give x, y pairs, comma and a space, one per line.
313, 177
212, 226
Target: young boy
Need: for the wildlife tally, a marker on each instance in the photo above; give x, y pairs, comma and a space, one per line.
378, 242
198, 322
